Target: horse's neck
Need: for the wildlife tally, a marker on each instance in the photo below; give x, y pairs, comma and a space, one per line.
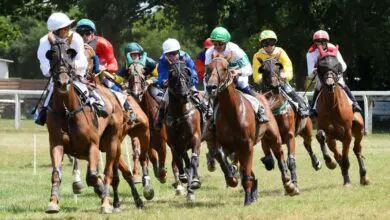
72, 101
230, 101
275, 99
58, 102
176, 108
336, 97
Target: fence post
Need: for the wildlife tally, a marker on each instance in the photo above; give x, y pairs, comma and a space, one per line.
368, 109
17, 111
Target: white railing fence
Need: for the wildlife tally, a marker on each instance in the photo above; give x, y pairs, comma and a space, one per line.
369, 97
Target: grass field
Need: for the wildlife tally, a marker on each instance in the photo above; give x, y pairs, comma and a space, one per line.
24, 195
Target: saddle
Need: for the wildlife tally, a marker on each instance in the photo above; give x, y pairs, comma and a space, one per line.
156, 92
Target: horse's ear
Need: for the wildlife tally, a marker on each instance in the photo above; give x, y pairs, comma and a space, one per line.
71, 52
51, 38
49, 54
279, 65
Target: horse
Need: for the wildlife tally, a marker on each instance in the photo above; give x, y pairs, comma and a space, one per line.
138, 88
183, 125
289, 122
336, 120
76, 130
138, 132
238, 132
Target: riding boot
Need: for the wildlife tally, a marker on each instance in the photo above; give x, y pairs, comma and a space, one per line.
261, 117
160, 120
355, 105
303, 110
313, 111
98, 105
42, 115
131, 114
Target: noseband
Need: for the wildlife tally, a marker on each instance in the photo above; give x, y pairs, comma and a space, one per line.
222, 85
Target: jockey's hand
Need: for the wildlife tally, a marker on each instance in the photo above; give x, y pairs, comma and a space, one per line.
283, 75
149, 81
236, 72
124, 92
165, 83
102, 67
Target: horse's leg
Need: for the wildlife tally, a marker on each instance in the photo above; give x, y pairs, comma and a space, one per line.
306, 135
291, 161
77, 186
115, 184
357, 130
136, 163
267, 160
246, 160
153, 158
56, 154
127, 175
146, 181
161, 148
178, 170
344, 162
329, 161
194, 163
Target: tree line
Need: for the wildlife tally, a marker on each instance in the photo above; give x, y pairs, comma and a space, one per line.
361, 28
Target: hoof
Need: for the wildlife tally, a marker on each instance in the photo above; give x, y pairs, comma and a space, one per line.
330, 163
139, 203
106, 209
317, 166
163, 176
295, 192
148, 192
232, 182
52, 208
347, 185
137, 179
77, 187
190, 197
268, 162
290, 188
211, 167
364, 180
180, 190
195, 184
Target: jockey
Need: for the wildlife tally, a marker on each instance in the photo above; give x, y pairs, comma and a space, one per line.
268, 41
171, 53
239, 64
102, 47
59, 24
201, 58
135, 53
321, 39
105, 53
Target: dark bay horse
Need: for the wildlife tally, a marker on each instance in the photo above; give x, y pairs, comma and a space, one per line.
336, 120
183, 124
76, 130
237, 130
289, 122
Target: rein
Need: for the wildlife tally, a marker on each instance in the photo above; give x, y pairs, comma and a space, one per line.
222, 86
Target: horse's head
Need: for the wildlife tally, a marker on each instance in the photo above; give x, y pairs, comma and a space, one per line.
329, 71
61, 58
137, 83
220, 77
270, 70
179, 80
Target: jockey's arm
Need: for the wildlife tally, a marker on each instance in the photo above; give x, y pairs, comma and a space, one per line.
44, 46
194, 76
107, 53
311, 59
80, 60
244, 66
255, 69
287, 66
342, 62
162, 70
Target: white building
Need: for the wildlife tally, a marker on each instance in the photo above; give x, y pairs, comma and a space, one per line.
4, 73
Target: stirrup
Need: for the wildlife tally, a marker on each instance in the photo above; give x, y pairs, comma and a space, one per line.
261, 118
356, 107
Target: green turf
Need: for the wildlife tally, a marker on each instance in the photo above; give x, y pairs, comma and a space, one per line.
24, 195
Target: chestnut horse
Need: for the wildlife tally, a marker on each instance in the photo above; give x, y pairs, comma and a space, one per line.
183, 124
237, 131
336, 120
76, 130
289, 123
138, 88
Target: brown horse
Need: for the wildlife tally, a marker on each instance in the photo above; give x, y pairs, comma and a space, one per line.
138, 132
238, 132
290, 124
336, 121
183, 124
76, 130
139, 89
